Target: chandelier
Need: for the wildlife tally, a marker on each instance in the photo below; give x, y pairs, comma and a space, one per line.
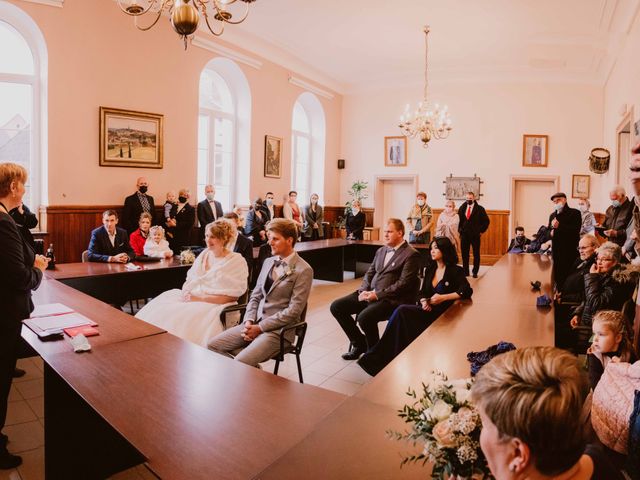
426, 122
185, 14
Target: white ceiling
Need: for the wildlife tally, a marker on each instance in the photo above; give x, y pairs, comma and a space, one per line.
361, 44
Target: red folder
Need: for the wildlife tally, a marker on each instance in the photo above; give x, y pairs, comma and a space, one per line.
86, 330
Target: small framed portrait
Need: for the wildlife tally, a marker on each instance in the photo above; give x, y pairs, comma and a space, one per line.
272, 156
395, 151
130, 139
580, 185
535, 150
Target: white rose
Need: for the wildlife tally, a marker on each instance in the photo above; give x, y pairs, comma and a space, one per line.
441, 410
463, 395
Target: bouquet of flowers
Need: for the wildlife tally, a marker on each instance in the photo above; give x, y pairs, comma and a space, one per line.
187, 257
444, 419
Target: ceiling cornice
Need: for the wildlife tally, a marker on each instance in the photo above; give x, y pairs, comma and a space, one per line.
50, 3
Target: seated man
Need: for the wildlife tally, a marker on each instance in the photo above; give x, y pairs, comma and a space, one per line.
278, 300
110, 243
392, 279
520, 243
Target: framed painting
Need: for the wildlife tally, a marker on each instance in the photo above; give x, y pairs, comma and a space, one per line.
456, 188
580, 185
130, 139
395, 151
535, 150
272, 156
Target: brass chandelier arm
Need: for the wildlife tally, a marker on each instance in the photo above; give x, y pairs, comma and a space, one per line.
142, 10
206, 19
236, 22
149, 27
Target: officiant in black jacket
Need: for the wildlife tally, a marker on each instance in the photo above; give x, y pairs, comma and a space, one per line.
474, 221
135, 204
565, 223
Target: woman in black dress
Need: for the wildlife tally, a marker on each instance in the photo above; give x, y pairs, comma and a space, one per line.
444, 283
183, 223
355, 222
21, 272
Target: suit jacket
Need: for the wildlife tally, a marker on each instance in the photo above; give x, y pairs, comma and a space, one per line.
132, 210
267, 212
18, 277
398, 282
25, 222
254, 225
244, 247
355, 224
478, 222
185, 220
100, 248
308, 221
618, 219
205, 214
284, 302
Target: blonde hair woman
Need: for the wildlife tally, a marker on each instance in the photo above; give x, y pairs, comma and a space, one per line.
215, 280
530, 402
447, 225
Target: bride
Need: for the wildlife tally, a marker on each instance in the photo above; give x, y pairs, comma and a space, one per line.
215, 280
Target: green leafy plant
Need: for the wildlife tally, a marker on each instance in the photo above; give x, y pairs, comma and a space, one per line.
358, 192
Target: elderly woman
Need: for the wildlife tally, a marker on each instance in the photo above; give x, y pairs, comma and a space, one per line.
444, 283
588, 219
313, 218
530, 402
215, 280
419, 220
21, 272
447, 225
179, 228
355, 221
138, 238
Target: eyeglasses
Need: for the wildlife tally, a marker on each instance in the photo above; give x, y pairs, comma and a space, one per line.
605, 259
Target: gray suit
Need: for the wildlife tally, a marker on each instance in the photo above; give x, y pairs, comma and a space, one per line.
280, 306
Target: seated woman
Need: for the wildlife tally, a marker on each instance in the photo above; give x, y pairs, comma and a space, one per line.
216, 279
255, 224
138, 237
444, 282
156, 245
607, 286
530, 402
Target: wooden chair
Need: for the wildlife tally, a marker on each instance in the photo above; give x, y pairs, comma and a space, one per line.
85, 256
240, 307
295, 347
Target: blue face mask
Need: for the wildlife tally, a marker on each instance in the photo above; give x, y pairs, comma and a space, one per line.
615, 203
558, 206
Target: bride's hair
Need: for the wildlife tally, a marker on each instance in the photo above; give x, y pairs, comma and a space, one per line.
220, 229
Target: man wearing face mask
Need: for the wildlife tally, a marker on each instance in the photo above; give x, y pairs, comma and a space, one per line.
474, 221
268, 208
617, 216
135, 204
209, 210
565, 223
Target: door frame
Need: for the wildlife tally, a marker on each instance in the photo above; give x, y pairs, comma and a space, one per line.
378, 196
527, 178
627, 119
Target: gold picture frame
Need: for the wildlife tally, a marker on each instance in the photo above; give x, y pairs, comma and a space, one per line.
580, 186
535, 150
272, 156
131, 139
395, 151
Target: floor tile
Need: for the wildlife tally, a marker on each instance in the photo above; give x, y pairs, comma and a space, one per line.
129, 474
341, 386
19, 412
32, 467
14, 394
38, 362
353, 373
37, 405
326, 367
9, 475
25, 436
310, 378
31, 388
28, 366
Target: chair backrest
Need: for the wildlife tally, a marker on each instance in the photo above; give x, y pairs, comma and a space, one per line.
85, 256
301, 330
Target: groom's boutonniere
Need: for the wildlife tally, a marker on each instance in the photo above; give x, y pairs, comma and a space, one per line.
289, 271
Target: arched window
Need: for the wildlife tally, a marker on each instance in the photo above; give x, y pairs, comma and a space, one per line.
23, 66
307, 147
223, 132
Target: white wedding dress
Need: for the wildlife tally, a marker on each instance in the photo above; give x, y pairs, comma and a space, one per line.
198, 322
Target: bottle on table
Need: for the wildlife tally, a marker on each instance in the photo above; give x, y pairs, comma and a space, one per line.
52, 258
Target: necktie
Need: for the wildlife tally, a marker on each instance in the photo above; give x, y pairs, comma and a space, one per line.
144, 202
468, 212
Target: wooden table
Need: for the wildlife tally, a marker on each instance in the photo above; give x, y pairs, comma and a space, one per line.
113, 283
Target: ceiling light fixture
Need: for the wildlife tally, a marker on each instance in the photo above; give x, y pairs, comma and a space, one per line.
426, 122
185, 14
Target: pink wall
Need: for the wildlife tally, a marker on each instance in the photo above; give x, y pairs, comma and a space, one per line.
489, 121
98, 58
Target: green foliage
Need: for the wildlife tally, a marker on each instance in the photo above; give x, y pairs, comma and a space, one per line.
357, 192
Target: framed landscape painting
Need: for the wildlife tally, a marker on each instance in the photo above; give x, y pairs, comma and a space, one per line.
272, 156
130, 139
535, 150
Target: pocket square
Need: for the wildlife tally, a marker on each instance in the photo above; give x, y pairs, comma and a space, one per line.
543, 301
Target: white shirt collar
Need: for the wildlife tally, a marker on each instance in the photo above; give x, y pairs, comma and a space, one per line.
288, 259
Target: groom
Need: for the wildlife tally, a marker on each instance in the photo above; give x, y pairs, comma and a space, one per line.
277, 300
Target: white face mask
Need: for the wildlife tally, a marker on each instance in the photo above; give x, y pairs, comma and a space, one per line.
583, 208
420, 203
269, 202
355, 210
559, 206
211, 196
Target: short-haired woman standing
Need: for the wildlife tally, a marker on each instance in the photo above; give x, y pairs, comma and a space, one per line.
419, 220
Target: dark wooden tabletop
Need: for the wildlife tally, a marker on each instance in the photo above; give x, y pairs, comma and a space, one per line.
194, 413
89, 269
114, 325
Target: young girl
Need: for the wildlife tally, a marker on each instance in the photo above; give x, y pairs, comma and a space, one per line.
156, 245
611, 343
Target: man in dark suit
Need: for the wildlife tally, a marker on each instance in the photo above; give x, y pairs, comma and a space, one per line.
209, 209
268, 207
242, 244
474, 221
565, 223
135, 204
110, 243
392, 280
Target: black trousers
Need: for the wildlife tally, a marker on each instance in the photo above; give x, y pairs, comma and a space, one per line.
9, 342
465, 242
367, 317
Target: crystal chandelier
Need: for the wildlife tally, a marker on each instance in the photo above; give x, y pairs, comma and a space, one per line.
185, 14
426, 122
